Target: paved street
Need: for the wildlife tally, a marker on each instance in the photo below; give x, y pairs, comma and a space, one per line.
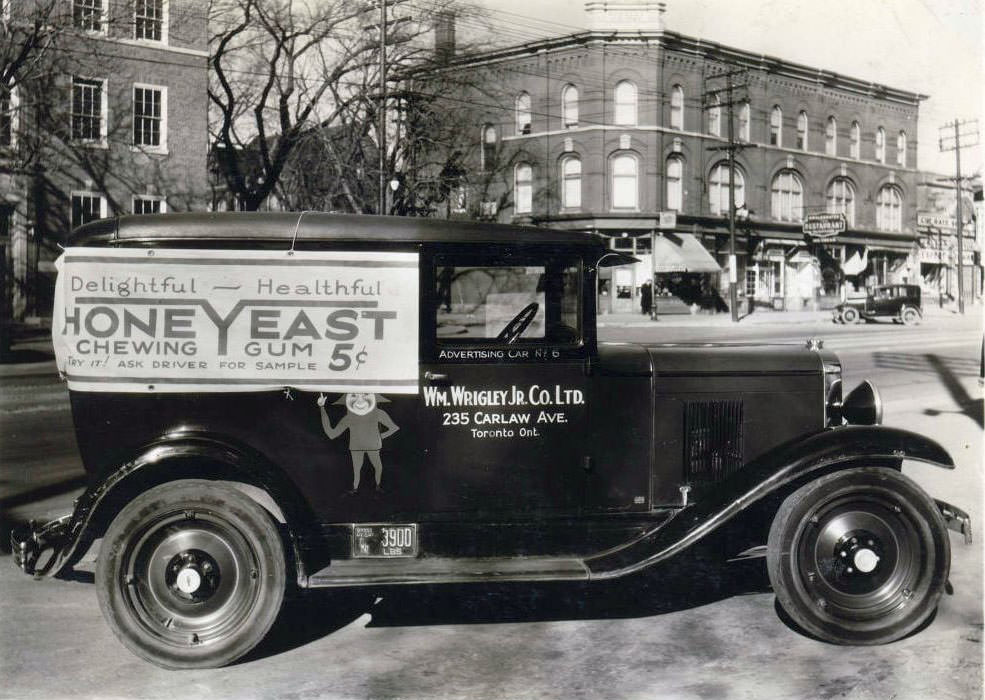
670, 634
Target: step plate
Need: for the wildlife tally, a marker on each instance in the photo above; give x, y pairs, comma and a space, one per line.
389, 572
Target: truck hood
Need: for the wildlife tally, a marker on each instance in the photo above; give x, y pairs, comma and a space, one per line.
708, 359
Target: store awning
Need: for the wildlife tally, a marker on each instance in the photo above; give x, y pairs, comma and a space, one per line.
682, 252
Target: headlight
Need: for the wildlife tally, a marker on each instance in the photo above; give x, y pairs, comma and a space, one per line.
863, 405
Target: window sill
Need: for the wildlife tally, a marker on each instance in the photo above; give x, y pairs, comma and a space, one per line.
102, 145
151, 150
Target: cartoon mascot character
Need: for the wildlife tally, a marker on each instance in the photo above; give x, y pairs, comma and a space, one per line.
363, 420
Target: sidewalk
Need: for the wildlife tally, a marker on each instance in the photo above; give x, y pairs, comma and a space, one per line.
764, 317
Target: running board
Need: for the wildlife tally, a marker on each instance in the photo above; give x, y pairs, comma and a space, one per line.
392, 572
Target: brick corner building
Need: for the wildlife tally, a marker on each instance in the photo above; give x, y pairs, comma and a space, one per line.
601, 130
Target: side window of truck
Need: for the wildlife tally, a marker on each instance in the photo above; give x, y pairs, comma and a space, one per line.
481, 299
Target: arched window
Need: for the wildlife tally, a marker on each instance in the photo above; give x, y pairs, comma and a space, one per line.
488, 153
776, 126
571, 182
881, 145
625, 190
569, 106
745, 122
715, 116
787, 200
523, 113
802, 131
523, 188
718, 189
841, 199
677, 107
675, 183
889, 209
901, 149
625, 104
856, 140
831, 137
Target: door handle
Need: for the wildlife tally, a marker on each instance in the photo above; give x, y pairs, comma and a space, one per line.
435, 376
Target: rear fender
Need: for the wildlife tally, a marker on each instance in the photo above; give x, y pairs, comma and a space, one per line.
168, 459
776, 473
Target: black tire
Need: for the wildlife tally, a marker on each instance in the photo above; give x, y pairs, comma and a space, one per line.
191, 574
909, 316
850, 316
859, 557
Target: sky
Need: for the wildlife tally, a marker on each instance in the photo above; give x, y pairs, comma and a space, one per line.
931, 47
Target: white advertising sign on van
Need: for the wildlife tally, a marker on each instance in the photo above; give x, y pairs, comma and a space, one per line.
137, 320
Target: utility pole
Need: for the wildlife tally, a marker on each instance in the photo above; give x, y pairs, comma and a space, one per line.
713, 97
381, 208
965, 134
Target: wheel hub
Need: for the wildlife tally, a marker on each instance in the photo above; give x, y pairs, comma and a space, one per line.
192, 575
859, 552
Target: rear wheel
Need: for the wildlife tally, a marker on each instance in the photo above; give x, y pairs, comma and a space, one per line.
850, 315
191, 574
909, 316
859, 557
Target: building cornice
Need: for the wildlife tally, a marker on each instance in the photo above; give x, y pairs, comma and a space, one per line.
700, 48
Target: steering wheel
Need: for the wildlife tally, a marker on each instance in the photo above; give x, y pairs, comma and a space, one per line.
514, 329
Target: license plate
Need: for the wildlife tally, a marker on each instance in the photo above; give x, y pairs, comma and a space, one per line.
384, 540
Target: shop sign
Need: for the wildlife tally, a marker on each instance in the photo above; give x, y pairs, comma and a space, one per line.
668, 220
824, 225
936, 221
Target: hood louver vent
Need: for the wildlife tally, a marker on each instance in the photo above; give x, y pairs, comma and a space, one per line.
713, 445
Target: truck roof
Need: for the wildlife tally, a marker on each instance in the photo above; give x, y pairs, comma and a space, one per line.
230, 228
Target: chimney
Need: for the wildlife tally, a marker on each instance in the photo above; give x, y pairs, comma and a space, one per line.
444, 36
625, 15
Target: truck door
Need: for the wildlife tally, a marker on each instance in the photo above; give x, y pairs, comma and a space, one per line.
503, 405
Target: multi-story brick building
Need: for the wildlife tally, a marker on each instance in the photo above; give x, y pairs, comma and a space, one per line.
602, 130
115, 124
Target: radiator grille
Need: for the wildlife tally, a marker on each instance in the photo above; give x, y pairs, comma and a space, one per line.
713, 440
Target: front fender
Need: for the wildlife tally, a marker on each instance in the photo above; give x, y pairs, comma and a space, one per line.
175, 456
832, 449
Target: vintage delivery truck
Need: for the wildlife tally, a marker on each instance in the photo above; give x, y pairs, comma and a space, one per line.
265, 401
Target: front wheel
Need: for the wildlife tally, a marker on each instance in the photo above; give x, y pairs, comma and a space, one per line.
191, 574
850, 315
859, 557
910, 316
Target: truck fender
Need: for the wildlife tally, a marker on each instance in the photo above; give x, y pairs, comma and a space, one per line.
776, 471
167, 459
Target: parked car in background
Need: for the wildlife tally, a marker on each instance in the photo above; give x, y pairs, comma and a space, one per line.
898, 302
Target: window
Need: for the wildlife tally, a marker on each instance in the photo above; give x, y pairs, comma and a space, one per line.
149, 110
478, 297
147, 204
86, 207
901, 149
488, 153
881, 145
715, 116
88, 110
523, 188
831, 137
745, 122
625, 192
88, 15
677, 107
571, 182
148, 20
625, 108
8, 117
787, 201
841, 199
802, 131
523, 113
675, 183
569, 106
889, 209
776, 127
718, 189
856, 137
